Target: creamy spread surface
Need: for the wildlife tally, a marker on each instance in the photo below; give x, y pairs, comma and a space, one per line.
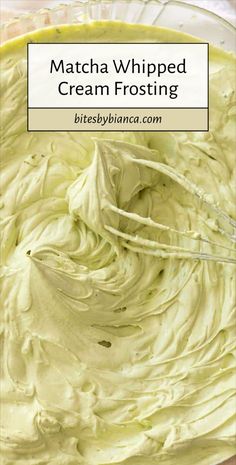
118, 280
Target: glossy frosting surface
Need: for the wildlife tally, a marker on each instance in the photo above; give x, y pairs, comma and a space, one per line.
118, 280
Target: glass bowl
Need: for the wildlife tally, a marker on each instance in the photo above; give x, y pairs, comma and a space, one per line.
166, 13
172, 14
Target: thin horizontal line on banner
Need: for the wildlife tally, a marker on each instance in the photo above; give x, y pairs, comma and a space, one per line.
118, 108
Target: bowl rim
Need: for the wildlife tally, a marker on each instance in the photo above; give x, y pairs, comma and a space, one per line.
74, 3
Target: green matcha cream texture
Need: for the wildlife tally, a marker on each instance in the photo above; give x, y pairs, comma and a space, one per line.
118, 279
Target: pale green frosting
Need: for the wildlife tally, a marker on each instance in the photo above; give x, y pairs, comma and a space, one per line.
118, 281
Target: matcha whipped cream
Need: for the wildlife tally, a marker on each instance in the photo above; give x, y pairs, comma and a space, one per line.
118, 279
